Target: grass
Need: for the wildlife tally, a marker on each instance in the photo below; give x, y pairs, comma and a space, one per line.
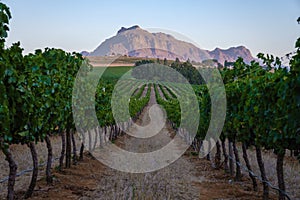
111, 72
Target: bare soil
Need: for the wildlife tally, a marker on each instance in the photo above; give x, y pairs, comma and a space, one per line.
187, 178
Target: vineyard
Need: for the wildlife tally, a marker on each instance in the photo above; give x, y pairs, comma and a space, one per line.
39, 104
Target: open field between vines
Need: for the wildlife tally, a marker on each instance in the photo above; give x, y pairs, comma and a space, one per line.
97, 61
110, 73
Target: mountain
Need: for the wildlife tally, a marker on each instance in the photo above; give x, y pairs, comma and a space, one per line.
84, 53
137, 42
231, 54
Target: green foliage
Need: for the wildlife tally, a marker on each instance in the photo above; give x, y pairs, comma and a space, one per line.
103, 100
109, 73
188, 71
263, 107
149, 72
263, 103
38, 89
5, 16
35, 90
137, 103
171, 106
140, 92
143, 62
103, 103
204, 109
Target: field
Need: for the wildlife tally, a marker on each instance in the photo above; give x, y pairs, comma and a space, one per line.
110, 73
98, 61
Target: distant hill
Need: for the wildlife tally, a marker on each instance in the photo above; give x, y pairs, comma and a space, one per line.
231, 54
84, 53
137, 42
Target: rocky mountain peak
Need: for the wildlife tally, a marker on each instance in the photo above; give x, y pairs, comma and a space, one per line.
123, 29
231, 54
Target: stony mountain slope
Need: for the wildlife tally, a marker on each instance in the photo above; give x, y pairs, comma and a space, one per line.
137, 42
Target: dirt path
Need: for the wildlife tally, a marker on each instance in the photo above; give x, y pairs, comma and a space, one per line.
180, 180
145, 91
161, 93
167, 91
186, 178
177, 181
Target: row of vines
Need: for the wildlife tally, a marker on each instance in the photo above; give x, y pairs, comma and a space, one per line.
263, 111
36, 102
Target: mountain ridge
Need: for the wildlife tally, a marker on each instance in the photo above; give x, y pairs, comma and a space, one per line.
137, 42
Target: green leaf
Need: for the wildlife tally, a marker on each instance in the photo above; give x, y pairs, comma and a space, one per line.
256, 109
23, 134
35, 68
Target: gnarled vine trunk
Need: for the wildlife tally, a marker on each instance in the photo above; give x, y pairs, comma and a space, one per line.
74, 148
90, 140
63, 149
218, 155
12, 171
262, 172
280, 176
49, 161
208, 156
238, 173
81, 151
208, 153
226, 168
101, 137
83, 138
68, 148
35, 171
245, 156
95, 138
231, 164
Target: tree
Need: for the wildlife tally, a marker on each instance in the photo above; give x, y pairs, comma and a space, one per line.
165, 62
158, 60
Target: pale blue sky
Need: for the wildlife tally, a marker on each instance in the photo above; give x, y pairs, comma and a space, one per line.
267, 26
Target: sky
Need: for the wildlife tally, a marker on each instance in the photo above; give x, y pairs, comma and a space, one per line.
267, 26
